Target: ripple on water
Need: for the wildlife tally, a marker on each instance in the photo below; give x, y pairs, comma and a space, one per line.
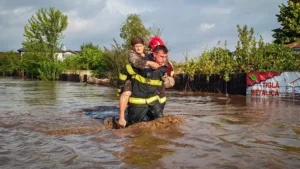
218, 131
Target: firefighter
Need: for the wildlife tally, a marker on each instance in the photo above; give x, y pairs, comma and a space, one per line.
144, 102
137, 61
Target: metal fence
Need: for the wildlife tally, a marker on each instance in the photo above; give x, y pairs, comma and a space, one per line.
216, 84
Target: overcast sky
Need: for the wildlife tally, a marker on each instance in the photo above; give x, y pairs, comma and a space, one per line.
188, 25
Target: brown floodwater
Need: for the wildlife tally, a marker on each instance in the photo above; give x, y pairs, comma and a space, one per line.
62, 125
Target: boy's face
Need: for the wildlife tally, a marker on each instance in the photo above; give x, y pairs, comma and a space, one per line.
138, 48
160, 57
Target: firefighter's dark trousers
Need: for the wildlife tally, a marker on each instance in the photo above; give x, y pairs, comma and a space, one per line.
144, 113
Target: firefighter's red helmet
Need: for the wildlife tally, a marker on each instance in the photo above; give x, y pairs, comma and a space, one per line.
153, 42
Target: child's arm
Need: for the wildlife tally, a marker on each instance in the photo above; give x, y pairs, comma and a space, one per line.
139, 62
135, 60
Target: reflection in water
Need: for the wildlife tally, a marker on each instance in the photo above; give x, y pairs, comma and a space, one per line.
46, 96
143, 148
46, 125
145, 140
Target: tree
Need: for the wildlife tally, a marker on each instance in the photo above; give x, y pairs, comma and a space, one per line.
72, 63
277, 57
50, 70
133, 26
30, 63
289, 17
91, 58
244, 48
9, 62
225, 62
44, 32
156, 31
43, 35
190, 67
207, 64
91, 55
257, 51
115, 59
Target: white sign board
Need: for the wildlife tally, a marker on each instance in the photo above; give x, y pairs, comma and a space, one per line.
273, 84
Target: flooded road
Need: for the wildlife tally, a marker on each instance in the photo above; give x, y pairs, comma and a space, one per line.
43, 125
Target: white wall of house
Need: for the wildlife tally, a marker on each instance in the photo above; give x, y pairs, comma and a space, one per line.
63, 56
60, 56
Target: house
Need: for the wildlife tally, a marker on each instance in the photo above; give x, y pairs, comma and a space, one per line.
62, 54
294, 45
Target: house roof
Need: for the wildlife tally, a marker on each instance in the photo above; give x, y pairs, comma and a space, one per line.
21, 50
72, 51
293, 45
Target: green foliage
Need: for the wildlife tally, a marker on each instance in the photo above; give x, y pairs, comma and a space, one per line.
279, 58
289, 17
73, 63
258, 54
44, 32
9, 62
133, 26
207, 63
115, 59
250, 55
50, 70
191, 66
225, 62
91, 58
245, 48
216, 61
30, 63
